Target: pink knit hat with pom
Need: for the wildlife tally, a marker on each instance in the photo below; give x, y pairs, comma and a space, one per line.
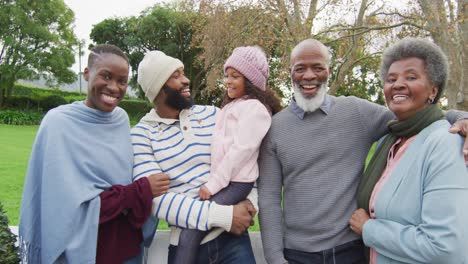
251, 61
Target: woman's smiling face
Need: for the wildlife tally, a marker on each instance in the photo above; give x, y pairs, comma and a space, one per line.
407, 87
107, 82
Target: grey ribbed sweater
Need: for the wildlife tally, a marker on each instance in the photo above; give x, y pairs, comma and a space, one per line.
318, 161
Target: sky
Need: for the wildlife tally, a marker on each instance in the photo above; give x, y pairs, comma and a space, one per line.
91, 12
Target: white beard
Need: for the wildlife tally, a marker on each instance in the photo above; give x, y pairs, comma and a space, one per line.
309, 104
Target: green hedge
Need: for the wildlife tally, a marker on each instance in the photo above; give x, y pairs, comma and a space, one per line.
15, 117
31, 98
8, 250
52, 101
32, 91
35, 103
23, 103
135, 108
36, 91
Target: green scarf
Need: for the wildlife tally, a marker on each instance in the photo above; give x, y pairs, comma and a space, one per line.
406, 128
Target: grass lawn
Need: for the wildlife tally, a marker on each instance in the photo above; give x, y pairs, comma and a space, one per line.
16, 142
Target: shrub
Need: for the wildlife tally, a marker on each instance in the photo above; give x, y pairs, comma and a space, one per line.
52, 101
30, 90
135, 108
22, 90
73, 98
36, 102
28, 97
23, 102
14, 117
8, 250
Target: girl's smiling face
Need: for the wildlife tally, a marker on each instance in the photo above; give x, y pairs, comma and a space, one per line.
235, 83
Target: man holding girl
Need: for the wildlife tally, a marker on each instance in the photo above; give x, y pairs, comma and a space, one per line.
178, 138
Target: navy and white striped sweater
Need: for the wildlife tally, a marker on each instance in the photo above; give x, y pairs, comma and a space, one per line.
181, 149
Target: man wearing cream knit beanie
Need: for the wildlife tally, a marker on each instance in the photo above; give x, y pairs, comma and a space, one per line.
174, 138
155, 70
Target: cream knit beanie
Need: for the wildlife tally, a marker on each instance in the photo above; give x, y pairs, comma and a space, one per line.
154, 71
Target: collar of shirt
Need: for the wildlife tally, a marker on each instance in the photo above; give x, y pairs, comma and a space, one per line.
154, 117
325, 107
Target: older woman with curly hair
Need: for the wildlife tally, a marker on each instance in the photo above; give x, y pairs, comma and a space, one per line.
412, 196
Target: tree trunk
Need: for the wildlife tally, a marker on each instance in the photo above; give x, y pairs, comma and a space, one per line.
2, 97
293, 20
351, 56
4, 87
2, 92
463, 18
447, 35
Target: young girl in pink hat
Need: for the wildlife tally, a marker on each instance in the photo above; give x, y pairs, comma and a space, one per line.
240, 127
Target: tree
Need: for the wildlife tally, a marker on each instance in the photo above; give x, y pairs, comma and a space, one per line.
278, 25
120, 32
227, 26
442, 20
356, 38
36, 40
463, 7
447, 24
158, 28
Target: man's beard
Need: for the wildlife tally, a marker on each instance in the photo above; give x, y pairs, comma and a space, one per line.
309, 104
175, 100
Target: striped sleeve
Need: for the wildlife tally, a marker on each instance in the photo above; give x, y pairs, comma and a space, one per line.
183, 211
176, 209
253, 197
144, 163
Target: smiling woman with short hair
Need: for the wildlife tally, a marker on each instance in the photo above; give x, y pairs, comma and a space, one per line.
79, 204
412, 195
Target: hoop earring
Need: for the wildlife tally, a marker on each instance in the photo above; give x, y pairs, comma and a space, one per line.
430, 100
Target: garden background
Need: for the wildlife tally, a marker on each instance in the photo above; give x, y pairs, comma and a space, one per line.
37, 41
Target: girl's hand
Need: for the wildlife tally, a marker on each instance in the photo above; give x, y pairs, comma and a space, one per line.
204, 193
357, 221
